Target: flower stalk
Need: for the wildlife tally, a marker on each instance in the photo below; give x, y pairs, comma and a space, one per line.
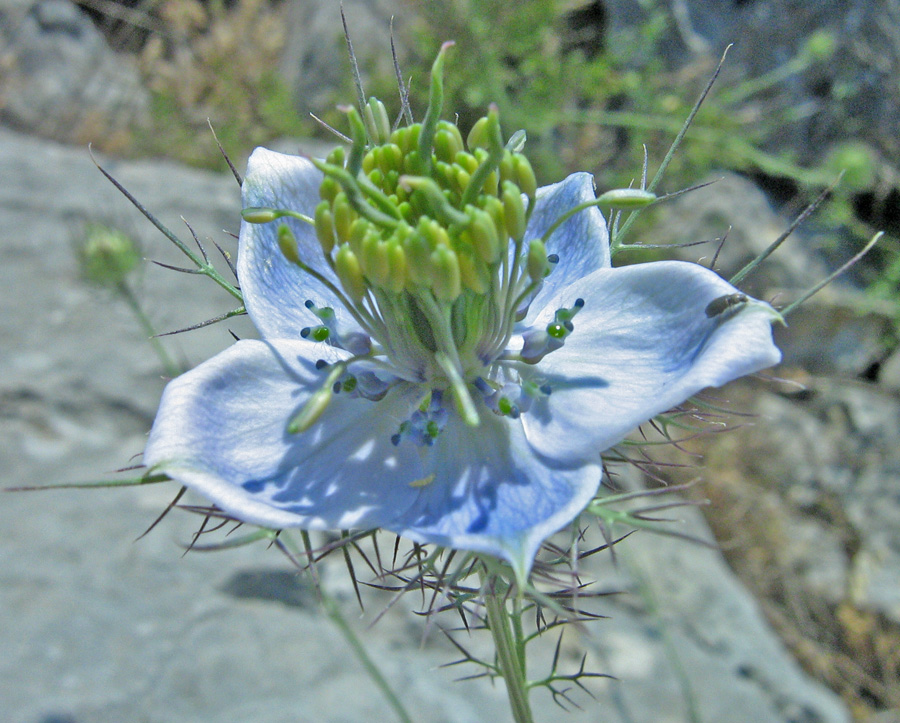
506, 630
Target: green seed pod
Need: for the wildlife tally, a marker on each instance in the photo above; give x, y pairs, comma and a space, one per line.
537, 260
349, 272
287, 242
324, 223
445, 274
514, 210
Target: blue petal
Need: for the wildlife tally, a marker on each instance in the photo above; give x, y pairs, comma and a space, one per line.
493, 494
221, 430
642, 344
581, 242
274, 289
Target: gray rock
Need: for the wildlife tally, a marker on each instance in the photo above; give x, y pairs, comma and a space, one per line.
100, 628
60, 79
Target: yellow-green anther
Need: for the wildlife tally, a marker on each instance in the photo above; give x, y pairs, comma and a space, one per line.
446, 281
537, 260
493, 206
626, 199
507, 168
478, 135
329, 189
435, 104
359, 136
418, 255
466, 161
443, 146
377, 122
463, 179
353, 187
412, 164
324, 223
336, 157
485, 241
397, 276
358, 230
473, 273
317, 402
287, 242
369, 162
435, 234
343, 217
257, 214
349, 272
525, 178
513, 210
375, 260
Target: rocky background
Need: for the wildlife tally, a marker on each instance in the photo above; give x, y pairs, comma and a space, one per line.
796, 619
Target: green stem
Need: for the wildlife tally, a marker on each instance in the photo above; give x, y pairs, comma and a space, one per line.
172, 369
505, 628
333, 612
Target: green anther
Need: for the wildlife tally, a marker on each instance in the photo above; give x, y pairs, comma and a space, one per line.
504, 406
377, 122
397, 267
478, 135
329, 188
443, 146
434, 233
347, 267
287, 242
317, 402
435, 104
473, 274
336, 157
324, 223
513, 210
343, 217
463, 179
358, 149
557, 330
432, 429
369, 162
524, 176
489, 162
445, 278
257, 214
358, 229
626, 199
493, 206
320, 333
354, 190
412, 164
374, 260
537, 260
418, 255
349, 384
483, 232
466, 161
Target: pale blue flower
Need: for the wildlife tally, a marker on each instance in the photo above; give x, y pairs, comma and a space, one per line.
491, 445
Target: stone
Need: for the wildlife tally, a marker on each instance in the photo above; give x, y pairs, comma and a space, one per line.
60, 78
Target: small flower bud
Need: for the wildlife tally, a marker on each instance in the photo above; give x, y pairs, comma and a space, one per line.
107, 255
